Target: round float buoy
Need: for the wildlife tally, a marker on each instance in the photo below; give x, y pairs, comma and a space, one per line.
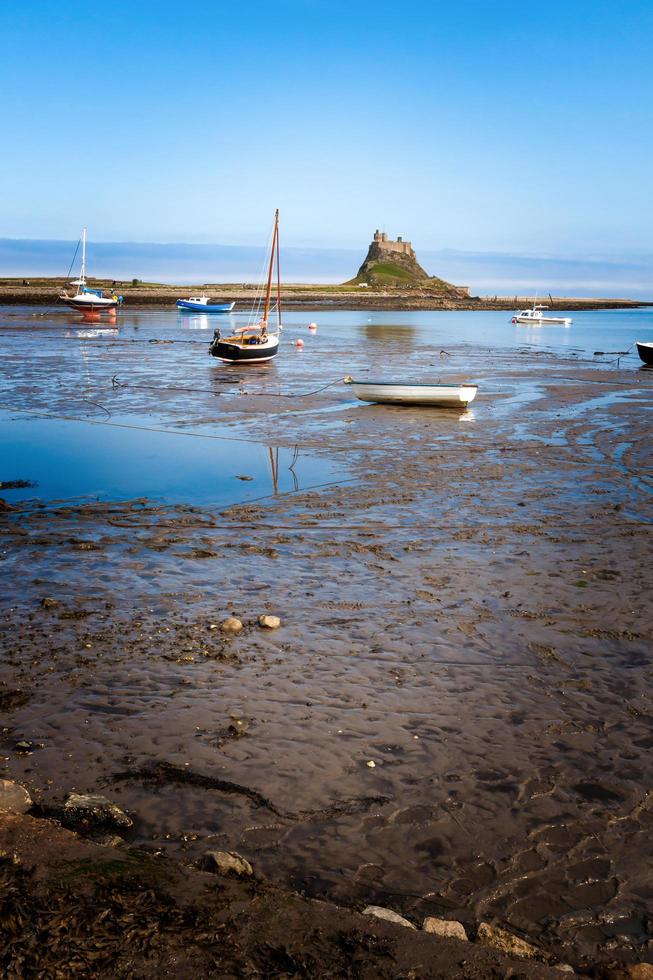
300, 342
312, 326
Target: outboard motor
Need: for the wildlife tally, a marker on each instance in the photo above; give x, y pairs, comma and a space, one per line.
215, 341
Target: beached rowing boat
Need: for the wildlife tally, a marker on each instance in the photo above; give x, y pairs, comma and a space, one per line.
396, 393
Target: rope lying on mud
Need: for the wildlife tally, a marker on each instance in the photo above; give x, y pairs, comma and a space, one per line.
115, 383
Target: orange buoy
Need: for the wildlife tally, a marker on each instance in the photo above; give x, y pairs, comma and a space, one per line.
312, 326
300, 342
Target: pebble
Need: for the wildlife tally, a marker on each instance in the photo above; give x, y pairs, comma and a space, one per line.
270, 622
505, 942
380, 913
445, 927
14, 798
49, 603
24, 745
228, 862
237, 727
92, 810
371, 764
231, 625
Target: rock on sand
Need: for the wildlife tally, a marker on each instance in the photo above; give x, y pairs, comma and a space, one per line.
380, 913
93, 811
269, 622
14, 798
228, 862
449, 928
505, 942
231, 625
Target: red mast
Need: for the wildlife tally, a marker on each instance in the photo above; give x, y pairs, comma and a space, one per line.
278, 276
273, 251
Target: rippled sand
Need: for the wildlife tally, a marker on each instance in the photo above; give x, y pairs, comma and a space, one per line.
470, 608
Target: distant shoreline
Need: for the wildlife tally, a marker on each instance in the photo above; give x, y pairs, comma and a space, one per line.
303, 296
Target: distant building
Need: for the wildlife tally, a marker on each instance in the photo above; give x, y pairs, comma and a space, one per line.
388, 245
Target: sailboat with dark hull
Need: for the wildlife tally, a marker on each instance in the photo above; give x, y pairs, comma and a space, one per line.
255, 342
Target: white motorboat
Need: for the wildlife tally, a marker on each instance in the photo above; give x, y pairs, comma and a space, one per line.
536, 317
88, 300
397, 393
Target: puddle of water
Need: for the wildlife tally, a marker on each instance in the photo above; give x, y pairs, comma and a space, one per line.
77, 459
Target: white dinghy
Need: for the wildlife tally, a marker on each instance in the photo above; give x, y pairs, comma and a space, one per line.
396, 393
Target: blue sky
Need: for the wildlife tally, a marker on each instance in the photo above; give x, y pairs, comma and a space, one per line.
507, 126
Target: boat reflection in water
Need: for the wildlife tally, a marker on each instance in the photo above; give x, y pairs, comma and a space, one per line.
202, 321
403, 333
93, 333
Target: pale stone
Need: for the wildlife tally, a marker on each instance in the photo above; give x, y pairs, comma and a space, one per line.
371, 764
564, 968
270, 622
93, 810
228, 862
14, 798
388, 915
505, 942
231, 625
445, 927
632, 971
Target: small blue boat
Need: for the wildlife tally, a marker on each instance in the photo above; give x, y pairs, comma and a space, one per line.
200, 304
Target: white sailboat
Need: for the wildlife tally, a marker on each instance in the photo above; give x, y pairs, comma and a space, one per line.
88, 300
255, 342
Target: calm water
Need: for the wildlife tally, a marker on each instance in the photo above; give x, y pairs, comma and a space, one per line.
77, 459
167, 437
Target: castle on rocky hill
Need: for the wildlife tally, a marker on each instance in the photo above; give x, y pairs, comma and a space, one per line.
392, 263
387, 245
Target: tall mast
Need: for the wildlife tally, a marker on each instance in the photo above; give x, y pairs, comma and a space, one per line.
278, 277
83, 275
269, 286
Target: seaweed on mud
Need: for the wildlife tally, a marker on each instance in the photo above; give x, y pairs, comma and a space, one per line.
346, 955
66, 932
17, 484
162, 773
12, 699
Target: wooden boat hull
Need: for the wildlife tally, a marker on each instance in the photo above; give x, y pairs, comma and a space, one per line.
645, 351
185, 304
233, 353
435, 396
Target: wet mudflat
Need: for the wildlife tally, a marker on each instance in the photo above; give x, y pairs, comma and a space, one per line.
470, 609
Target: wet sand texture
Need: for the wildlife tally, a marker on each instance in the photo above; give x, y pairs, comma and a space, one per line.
472, 612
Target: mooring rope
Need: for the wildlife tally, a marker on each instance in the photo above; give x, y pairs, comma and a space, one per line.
115, 383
